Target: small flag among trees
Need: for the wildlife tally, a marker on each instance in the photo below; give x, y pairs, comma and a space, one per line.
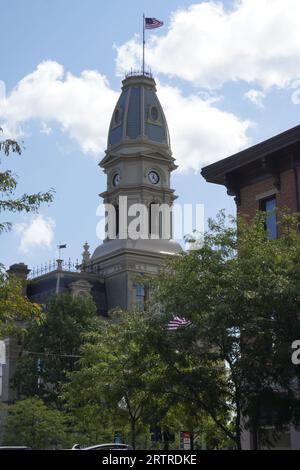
178, 322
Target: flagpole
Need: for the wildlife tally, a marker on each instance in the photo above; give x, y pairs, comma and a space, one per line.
60, 246
144, 44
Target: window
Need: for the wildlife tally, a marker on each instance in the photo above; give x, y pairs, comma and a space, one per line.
140, 296
153, 220
269, 205
1, 379
117, 117
117, 220
159, 220
154, 113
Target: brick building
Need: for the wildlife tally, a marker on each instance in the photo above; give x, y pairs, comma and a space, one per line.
263, 177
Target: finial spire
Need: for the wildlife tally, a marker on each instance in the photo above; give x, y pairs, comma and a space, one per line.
143, 68
86, 255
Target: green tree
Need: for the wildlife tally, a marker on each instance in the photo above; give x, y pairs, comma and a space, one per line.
31, 423
15, 308
124, 385
8, 186
51, 348
189, 378
91, 422
241, 292
181, 416
115, 376
232, 367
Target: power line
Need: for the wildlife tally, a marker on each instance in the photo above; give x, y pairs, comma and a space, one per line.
52, 354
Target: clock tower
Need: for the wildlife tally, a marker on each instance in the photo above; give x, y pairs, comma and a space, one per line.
138, 163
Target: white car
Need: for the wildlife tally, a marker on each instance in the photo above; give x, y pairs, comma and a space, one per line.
110, 446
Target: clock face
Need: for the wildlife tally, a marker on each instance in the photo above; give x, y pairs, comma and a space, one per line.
153, 177
116, 179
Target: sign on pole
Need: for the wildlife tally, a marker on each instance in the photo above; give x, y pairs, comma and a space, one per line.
186, 440
118, 437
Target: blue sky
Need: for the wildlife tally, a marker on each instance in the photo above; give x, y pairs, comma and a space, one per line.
226, 75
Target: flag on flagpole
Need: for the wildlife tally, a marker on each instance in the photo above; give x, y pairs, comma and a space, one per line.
152, 23
61, 246
178, 322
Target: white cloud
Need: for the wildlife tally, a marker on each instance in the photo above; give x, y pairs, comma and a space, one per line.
200, 132
81, 105
38, 232
45, 129
256, 97
255, 41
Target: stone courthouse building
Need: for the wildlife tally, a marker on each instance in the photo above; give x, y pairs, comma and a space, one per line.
138, 163
264, 177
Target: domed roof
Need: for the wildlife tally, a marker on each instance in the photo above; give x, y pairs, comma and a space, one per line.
138, 114
150, 246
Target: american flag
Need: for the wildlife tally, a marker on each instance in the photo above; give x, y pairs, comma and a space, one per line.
152, 23
178, 322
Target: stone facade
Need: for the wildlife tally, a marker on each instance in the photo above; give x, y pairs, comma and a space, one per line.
138, 163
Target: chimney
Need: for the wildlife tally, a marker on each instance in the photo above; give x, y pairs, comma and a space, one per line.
20, 271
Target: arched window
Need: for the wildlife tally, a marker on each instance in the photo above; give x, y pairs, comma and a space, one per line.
160, 220
117, 220
140, 296
155, 220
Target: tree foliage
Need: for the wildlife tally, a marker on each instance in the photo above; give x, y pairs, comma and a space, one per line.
15, 308
241, 292
230, 370
8, 185
31, 423
114, 374
125, 381
51, 348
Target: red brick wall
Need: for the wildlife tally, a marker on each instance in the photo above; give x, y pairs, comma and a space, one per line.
286, 197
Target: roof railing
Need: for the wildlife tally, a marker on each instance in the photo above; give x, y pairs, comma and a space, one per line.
61, 265
139, 73
45, 268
